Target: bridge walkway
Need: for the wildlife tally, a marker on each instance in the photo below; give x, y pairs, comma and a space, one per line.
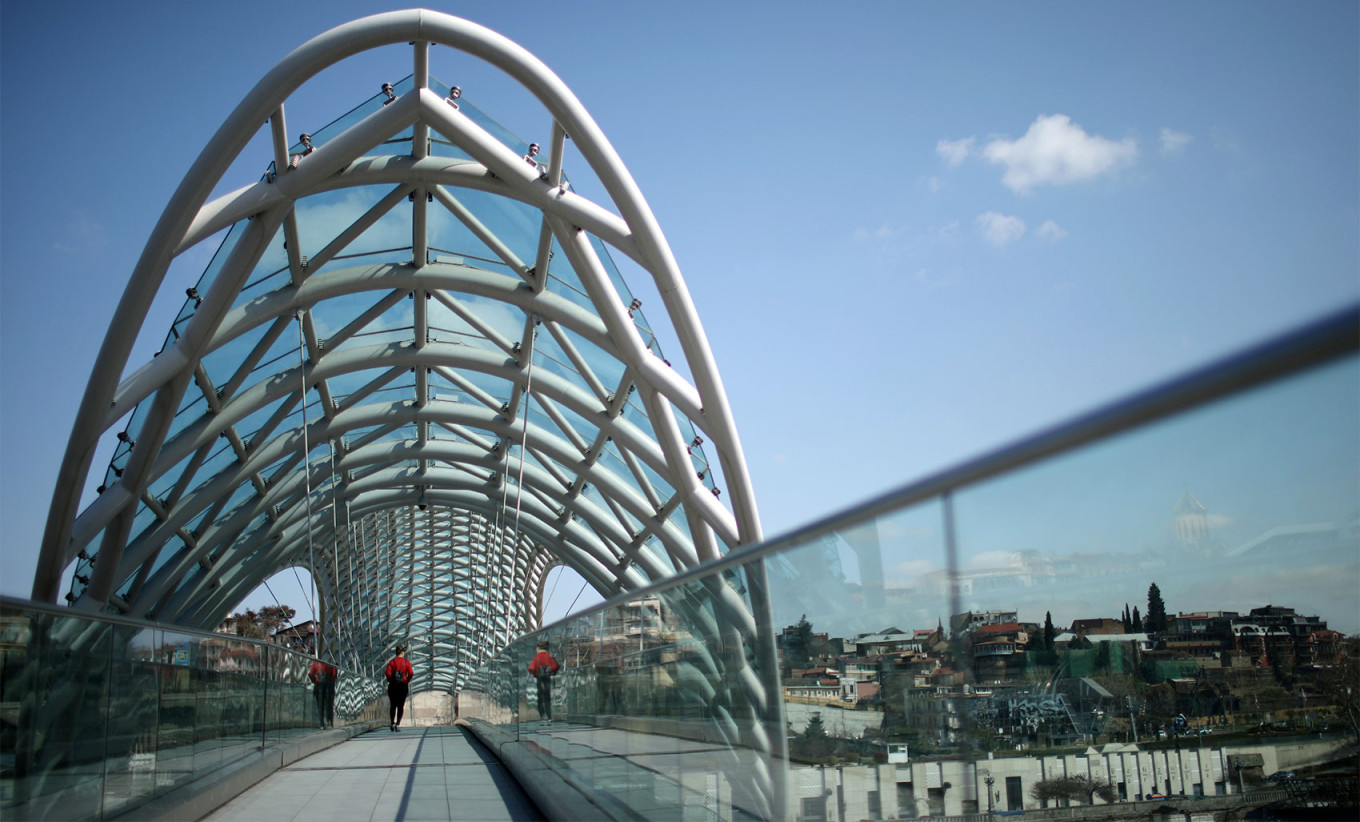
412, 775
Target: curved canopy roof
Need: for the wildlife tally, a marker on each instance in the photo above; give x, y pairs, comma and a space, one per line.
412, 367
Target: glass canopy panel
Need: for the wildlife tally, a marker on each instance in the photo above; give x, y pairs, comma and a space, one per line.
514, 223
611, 462
209, 276
453, 237
620, 286
393, 325
549, 355
343, 385
570, 291
633, 412
323, 217
505, 320
334, 315
172, 550
442, 389
192, 409
161, 487
662, 486
248, 427
224, 361
263, 284
273, 260
606, 368
283, 353
337, 126
491, 384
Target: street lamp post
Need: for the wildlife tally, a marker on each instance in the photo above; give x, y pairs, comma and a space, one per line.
989, 780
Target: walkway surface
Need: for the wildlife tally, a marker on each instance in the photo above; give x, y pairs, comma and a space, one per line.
413, 775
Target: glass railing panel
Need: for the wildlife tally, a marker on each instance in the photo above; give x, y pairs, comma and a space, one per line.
130, 752
961, 648
101, 714
177, 719
55, 683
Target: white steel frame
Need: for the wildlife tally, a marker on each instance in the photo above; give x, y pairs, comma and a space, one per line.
460, 483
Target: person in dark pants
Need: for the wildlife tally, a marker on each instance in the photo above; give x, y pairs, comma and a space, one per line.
399, 673
543, 668
323, 691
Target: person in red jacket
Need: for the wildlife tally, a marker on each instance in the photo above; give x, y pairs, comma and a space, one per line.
399, 673
543, 668
323, 691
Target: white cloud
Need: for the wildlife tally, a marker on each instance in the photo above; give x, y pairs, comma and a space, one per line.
1056, 151
999, 229
947, 232
955, 151
1051, 231
1174, 142
83, 236
930, 279
883, 233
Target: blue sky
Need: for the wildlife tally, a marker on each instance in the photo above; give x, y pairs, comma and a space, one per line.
914, 232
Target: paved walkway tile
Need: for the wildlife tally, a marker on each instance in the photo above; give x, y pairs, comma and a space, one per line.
414, 775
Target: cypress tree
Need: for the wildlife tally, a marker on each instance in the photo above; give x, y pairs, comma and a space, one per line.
1049, 632
1137, 621
1156, 610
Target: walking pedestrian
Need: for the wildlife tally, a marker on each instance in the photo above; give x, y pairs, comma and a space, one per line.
543, 668
399, 673
323, 677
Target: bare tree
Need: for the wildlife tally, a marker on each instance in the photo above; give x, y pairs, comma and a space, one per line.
1072, 788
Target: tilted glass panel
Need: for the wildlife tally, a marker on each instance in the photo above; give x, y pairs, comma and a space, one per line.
393, 325
222, 363
503, 319
455, 238
324, 216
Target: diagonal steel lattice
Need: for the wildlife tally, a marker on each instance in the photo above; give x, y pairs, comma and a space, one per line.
412, 368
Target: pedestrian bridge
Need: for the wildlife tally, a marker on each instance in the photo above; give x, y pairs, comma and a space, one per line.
414, 368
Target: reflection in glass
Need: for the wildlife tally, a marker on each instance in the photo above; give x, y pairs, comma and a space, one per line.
101, 714
1162, 613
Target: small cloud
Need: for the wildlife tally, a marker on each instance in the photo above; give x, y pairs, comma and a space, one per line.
1000, 229
947, 232
882, 233
1056, 151
1226, 141
1051, 231
780, 459
955, 151
1174, 142
932, 184
929, 278
83, 236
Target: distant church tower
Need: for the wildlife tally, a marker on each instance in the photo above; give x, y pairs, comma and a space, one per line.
1191, 523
